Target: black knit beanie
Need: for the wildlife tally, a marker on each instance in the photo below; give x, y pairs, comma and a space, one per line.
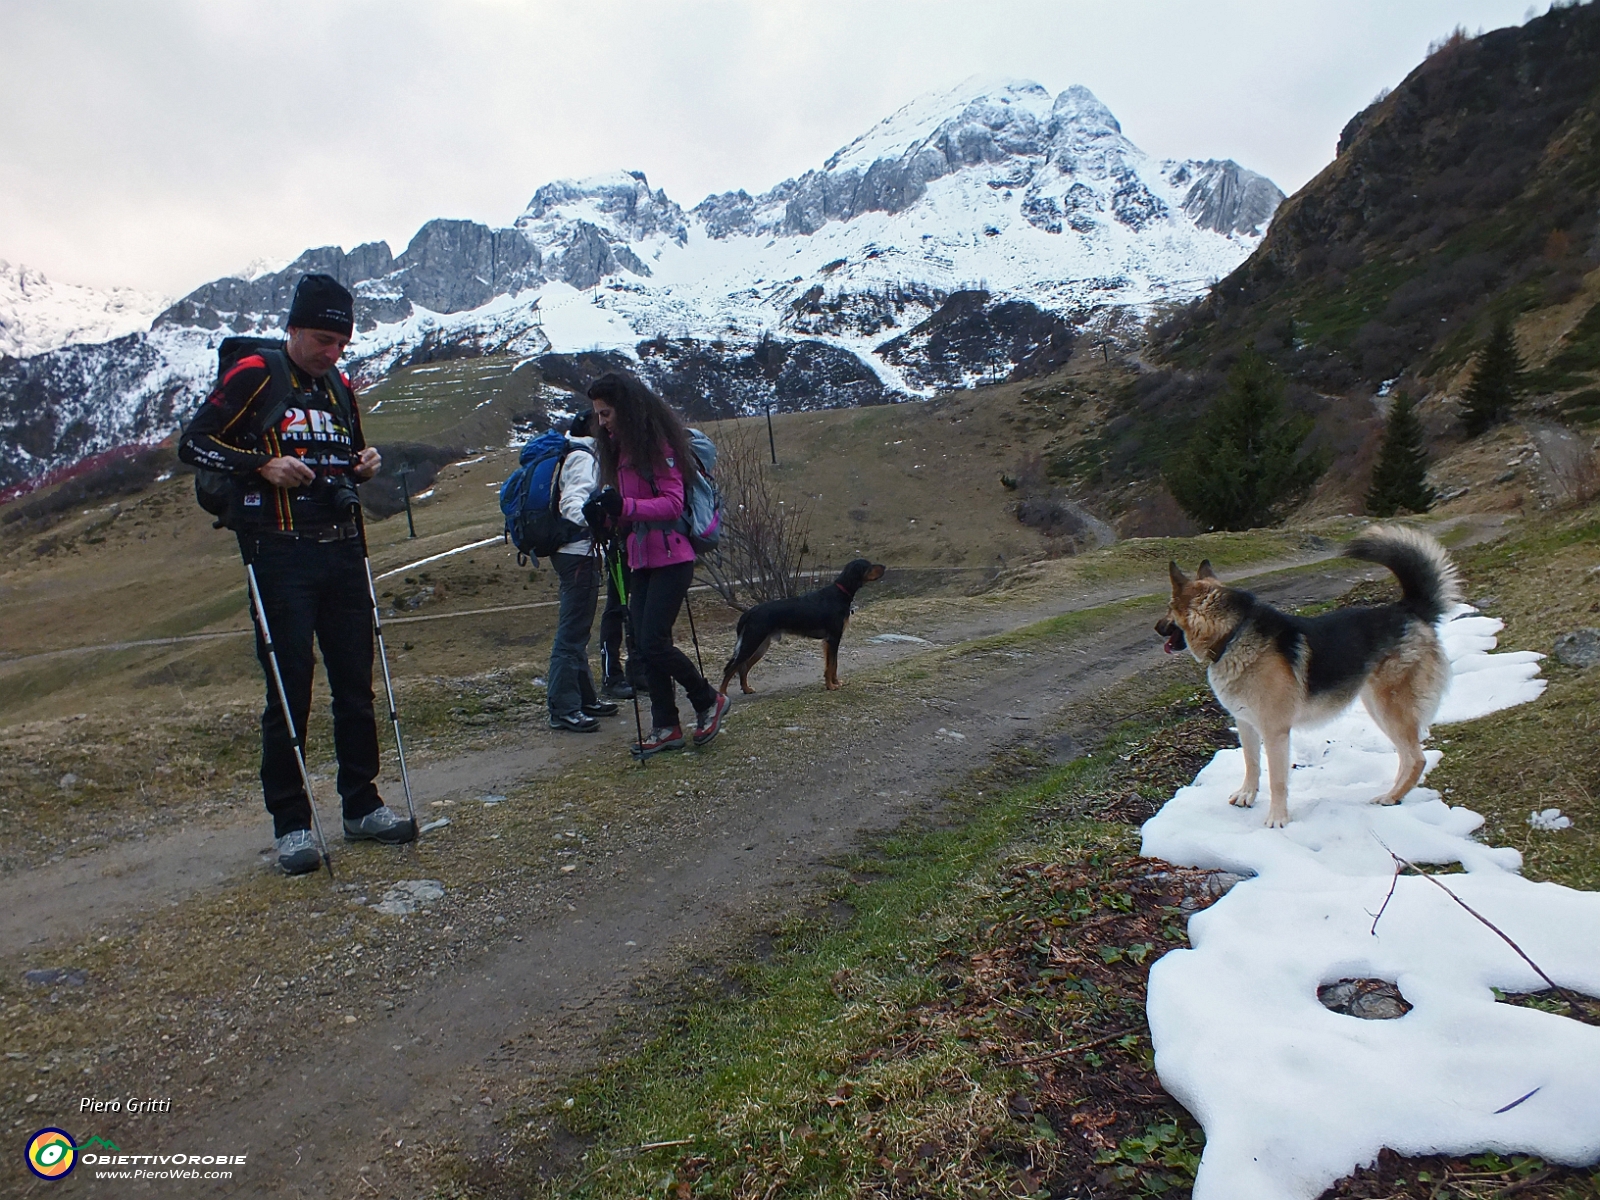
321, 302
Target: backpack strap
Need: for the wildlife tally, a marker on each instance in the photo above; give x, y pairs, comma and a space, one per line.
561, 465
280, 391
343, 399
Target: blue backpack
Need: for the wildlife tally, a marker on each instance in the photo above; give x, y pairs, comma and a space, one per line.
702, 509
531, 499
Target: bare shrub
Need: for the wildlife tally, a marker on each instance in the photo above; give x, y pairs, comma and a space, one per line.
1576, 474
763, 546
1047, 508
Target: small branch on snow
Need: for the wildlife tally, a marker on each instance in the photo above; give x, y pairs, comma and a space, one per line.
1507, 1108
1394, 881
1571, 998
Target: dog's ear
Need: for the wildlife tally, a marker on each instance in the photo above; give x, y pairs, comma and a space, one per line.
1205, 571
1179, 579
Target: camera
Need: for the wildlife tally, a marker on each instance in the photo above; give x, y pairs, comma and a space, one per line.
339, 492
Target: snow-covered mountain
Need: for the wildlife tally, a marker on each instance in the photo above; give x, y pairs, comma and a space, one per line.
37, 314
965, 237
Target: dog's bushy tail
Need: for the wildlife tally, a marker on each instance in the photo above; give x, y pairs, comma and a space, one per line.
1429, 583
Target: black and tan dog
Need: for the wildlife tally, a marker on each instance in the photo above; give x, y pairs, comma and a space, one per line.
821, 614
1275, 672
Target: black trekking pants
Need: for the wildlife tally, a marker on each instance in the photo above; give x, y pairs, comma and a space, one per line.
612, 630
654, 603
317, 590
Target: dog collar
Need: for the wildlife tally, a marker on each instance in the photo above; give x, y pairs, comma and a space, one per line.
842, 588
1216, 656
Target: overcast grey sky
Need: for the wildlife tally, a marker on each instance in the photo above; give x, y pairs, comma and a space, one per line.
162, 143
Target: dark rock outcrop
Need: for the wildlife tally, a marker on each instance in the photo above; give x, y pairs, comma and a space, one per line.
969, 340
708, 380
239, 304
453, 266
450, 266
575, 372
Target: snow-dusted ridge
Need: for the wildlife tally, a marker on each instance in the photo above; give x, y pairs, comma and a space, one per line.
963, 237
38, 314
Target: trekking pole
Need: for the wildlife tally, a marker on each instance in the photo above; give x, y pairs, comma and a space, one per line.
614, 564
695, 637
388, 684
288, 714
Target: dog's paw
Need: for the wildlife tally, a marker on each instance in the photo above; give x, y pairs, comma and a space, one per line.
1277, 818
1386, 798
833, 686
747, 689
1243, 798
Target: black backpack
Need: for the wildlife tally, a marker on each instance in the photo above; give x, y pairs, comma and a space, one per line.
214, 490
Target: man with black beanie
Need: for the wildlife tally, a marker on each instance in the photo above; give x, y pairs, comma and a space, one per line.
283, 423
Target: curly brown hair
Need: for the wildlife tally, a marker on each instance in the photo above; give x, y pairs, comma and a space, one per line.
645, 425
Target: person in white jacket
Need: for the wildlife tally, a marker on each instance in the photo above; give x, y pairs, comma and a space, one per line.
574, 707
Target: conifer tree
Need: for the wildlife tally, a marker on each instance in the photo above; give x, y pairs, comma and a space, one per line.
1243, 464
1497, 382
1399, 481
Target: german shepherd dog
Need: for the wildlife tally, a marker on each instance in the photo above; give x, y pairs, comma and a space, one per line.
1274, 671
821, 614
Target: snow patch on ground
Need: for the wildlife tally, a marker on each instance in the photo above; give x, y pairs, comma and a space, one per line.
1292, 1096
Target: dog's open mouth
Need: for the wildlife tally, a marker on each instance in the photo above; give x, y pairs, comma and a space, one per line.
1173, 632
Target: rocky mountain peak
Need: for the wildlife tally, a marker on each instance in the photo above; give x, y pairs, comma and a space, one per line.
1078, 110
975, 112
620, 202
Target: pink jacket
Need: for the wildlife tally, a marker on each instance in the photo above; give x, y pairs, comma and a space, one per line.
644, 503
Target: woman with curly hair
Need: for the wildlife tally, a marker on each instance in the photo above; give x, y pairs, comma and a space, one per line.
647, 468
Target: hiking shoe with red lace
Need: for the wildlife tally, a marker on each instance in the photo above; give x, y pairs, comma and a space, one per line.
658, 740
709, 722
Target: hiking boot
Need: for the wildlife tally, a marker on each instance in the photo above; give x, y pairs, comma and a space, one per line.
298, 853
658, 740
574, 722
617, 689
382, 824
600, 708
709, 721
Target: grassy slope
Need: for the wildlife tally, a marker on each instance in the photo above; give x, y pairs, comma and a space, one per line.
1455, 200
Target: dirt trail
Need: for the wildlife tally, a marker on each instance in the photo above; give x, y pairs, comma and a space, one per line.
63, 900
